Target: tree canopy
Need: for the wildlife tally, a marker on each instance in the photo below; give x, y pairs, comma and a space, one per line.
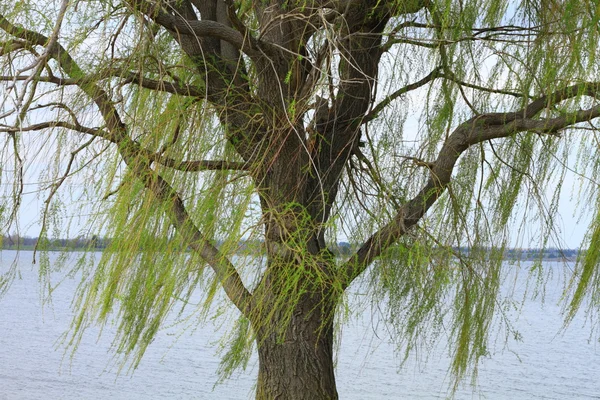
412, 129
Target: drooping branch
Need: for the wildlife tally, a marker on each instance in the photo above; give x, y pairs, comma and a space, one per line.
180, 218
479, 129
54, 188
138, 160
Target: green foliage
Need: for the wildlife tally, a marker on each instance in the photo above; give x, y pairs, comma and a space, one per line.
179, 109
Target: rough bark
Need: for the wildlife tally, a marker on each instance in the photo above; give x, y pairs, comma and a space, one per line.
297, 364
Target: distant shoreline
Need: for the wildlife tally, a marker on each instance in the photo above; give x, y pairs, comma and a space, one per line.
16, 243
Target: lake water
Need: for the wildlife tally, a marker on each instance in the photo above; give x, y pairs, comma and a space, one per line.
183, 365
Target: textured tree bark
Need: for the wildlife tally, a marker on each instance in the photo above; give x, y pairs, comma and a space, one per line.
298, 364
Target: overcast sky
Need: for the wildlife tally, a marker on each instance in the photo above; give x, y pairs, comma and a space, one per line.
570, 228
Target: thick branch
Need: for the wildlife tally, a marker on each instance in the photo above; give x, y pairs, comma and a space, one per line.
176, 211
476, 130
137, 159
207, 28
218, 62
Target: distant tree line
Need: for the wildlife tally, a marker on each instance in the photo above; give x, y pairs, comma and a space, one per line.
342, 249
15, 241
528, 253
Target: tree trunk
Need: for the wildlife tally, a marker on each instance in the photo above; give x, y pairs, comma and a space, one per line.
298, 363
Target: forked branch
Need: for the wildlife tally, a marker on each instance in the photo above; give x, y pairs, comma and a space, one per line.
476, 130
206, 28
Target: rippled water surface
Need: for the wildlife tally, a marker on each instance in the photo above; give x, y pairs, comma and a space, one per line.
183, 365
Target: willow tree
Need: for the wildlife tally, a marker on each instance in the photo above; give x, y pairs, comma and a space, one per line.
413, 129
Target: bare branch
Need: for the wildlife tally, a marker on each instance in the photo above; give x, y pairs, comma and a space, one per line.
59, 124
385, 102
394, 41
187, 166
452, 78
128, 77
